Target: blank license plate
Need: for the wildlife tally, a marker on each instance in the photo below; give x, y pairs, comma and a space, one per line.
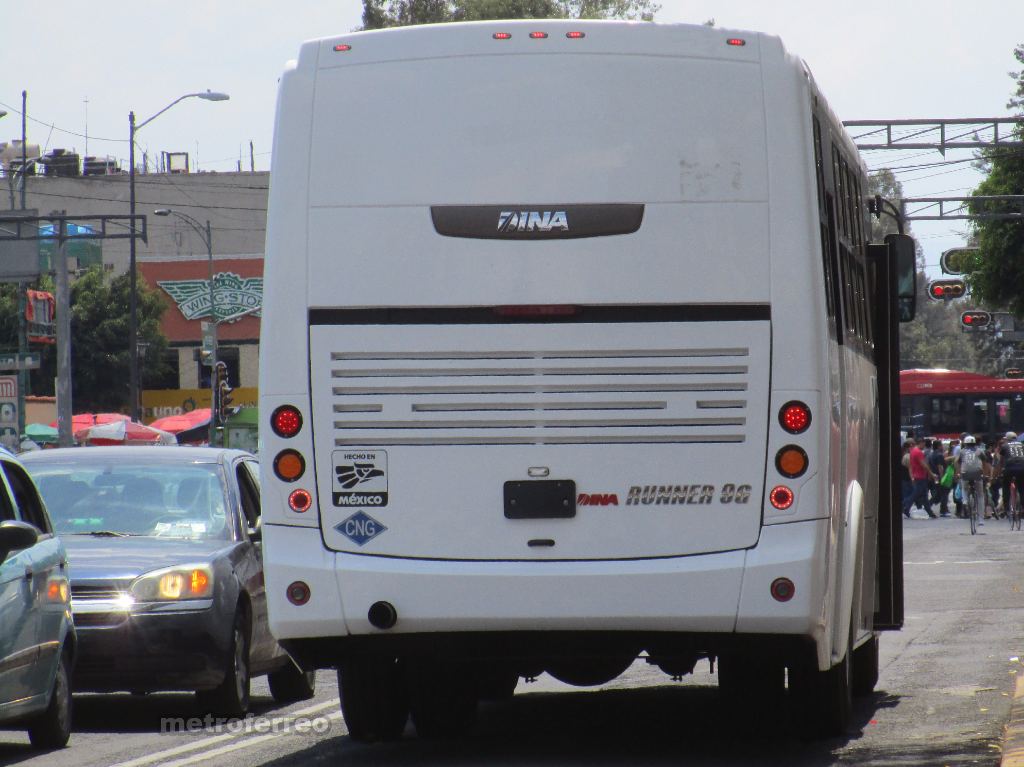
542, 499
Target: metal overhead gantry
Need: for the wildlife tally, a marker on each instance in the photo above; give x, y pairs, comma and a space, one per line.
967, 133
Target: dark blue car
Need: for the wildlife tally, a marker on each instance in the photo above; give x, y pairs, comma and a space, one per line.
166, 571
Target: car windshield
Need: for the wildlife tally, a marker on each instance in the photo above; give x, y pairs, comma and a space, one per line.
156, 499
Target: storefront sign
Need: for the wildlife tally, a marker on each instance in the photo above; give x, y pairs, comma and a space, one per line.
233, 296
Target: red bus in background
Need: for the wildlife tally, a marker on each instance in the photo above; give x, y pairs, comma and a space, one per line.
946, 403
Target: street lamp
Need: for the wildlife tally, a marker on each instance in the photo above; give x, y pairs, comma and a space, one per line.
206, 236
133, 322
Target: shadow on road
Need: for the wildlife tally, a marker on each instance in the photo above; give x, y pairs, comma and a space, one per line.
687, 725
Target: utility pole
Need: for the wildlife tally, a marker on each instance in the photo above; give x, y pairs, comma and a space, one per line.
65, 438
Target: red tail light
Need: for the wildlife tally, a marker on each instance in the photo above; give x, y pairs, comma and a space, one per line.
538, 35
342, 48
502, 36
738, 41
286, 421
783, 589
575, 35
298, 593
300, 501
781, 497
795, 417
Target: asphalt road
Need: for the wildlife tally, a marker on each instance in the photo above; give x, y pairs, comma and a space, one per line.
943, 698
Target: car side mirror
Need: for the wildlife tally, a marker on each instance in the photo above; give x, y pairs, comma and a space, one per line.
15, 536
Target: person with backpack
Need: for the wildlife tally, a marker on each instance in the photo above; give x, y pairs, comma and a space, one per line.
971, 465
1011, 457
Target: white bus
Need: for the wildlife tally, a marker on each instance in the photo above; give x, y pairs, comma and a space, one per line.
574, 351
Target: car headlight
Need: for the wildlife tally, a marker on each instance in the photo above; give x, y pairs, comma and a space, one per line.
173, 584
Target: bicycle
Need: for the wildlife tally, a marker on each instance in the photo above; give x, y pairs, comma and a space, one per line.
971, 506
1015, 512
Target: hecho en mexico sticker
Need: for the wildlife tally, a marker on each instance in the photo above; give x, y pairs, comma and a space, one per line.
360, 478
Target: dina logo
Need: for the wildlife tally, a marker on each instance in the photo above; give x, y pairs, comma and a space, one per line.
356, 474
532, 221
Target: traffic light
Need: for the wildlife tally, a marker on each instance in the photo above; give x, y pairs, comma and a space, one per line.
946, 290
957, 260
221, 391
976, 320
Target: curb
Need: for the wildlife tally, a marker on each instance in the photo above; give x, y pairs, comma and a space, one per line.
1013, 736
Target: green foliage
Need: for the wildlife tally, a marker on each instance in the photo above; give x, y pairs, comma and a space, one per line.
378, 14
99, 342
999, 273
935, 338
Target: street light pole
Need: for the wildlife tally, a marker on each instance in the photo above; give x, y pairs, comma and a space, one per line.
207, 236
133, 320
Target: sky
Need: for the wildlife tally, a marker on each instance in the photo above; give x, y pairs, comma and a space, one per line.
85, 66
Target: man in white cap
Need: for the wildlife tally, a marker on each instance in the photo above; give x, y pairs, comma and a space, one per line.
971, 465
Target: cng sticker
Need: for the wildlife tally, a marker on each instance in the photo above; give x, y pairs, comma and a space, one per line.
360, 477
360, 528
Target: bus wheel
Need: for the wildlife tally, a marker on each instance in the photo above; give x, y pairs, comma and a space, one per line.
865, 667
822, 699
742, 676
443, 698
374, 700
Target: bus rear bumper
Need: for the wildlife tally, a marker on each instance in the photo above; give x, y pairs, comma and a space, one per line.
720, 593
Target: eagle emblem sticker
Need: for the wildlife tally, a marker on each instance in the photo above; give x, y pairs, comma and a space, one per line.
360, 478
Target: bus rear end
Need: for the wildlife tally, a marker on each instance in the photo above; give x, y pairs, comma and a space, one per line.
524, 365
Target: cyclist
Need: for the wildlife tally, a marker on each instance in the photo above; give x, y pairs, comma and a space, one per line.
970, 465
1011, 459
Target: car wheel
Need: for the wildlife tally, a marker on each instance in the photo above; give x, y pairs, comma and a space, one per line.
290, 683
374, 698
231, 698
52, 728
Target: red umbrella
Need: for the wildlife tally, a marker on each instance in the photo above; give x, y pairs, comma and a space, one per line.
183, 421
123, 432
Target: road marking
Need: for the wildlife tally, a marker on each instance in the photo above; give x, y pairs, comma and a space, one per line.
205, 756
206, 742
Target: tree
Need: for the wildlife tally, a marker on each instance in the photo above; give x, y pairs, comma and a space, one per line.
99, 342
378, 14
999, 267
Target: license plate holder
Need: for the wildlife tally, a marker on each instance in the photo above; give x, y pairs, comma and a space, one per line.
540, 499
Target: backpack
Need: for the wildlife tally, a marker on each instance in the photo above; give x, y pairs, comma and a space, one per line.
970, 463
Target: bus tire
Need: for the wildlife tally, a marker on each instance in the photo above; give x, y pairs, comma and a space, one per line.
374, 698
443, 699
865, 667
822, 700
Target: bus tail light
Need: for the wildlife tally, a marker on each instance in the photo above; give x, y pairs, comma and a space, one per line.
737, 41
502, 35
791, 461
795, 417
298, 593
783, 589
342, 48
300, 501
538, 35
289, 465
575, 35
781, 497
286, 421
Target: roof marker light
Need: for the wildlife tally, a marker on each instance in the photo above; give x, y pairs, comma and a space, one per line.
502, 35
538, 35
342, 47
739, 41
575, 35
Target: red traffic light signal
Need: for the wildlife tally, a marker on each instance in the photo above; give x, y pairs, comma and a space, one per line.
976, 319
946, 290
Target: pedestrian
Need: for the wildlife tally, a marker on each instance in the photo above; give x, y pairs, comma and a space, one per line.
906, 486
937, 463
946, 481
920, 474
